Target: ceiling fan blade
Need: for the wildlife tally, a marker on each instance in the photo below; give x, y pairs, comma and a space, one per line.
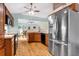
36, 11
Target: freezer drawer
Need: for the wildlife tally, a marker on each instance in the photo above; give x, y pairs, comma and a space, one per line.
57, 49
60, 49
50, 47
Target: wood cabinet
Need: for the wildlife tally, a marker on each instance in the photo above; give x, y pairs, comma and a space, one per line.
57, 5
3, 12
46, 39
9, 46
9, 17
37, 37
34, 37
2, 49
73, 6
2, 20
31, 37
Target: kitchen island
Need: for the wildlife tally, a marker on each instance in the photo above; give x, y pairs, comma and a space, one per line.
38, 37
34, 37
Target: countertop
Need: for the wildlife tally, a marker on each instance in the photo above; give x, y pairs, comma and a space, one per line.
8, 36
37, 32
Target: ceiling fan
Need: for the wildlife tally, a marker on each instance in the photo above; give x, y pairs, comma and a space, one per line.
31, 9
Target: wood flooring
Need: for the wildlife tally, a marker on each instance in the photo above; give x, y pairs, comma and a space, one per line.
31, 49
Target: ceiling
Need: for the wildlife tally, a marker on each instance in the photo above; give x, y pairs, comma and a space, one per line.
16, 8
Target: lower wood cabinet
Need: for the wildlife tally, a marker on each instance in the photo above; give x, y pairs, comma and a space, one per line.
30, 37
2, 51
37, 37
34, 37
2, 48
9, 46
46, 39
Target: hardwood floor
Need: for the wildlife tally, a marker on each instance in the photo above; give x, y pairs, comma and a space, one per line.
31, 49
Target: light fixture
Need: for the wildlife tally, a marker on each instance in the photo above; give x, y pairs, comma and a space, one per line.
31, 12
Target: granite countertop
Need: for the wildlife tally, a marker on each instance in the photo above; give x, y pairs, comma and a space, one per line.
39, 32
8, 36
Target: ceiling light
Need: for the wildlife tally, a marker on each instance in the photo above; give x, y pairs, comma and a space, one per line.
31, 12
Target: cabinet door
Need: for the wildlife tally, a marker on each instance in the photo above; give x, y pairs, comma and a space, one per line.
1, 45
46, 39
8, 47
37, 37
74, 7
31, 37
12, 41
2, 17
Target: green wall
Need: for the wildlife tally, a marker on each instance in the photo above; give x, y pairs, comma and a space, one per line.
19, 16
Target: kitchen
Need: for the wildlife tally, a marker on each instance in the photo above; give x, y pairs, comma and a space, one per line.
25, 34
20, 27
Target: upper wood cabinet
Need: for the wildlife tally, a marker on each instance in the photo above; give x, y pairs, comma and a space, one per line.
9, 17
57, 5
74, 7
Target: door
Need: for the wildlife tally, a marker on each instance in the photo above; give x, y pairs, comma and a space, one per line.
37, 37
2, 15
64, 26
53, 28
58, 33
31, 37
73, 33
62, 18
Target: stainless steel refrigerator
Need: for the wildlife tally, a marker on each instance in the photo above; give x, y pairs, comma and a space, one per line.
64, 33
